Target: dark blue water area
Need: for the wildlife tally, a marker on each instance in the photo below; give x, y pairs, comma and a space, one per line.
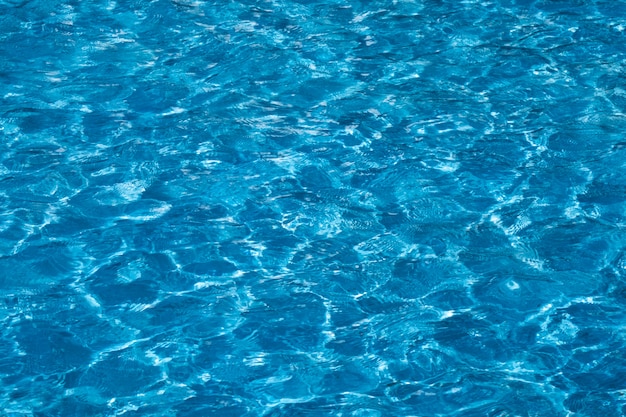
312, 208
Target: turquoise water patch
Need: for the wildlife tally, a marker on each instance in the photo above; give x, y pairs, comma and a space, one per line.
290, 208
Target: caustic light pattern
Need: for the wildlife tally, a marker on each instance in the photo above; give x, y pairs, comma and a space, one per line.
320, 208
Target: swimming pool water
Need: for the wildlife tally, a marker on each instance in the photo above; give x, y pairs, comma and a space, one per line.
320, 208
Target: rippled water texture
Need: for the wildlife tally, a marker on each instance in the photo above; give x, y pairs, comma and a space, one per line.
290, 208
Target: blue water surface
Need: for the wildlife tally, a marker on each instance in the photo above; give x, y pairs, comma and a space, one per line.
313, 208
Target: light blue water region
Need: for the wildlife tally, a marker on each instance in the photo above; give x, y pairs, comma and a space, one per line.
313, 208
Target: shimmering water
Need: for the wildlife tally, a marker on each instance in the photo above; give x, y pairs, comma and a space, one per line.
289, 208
